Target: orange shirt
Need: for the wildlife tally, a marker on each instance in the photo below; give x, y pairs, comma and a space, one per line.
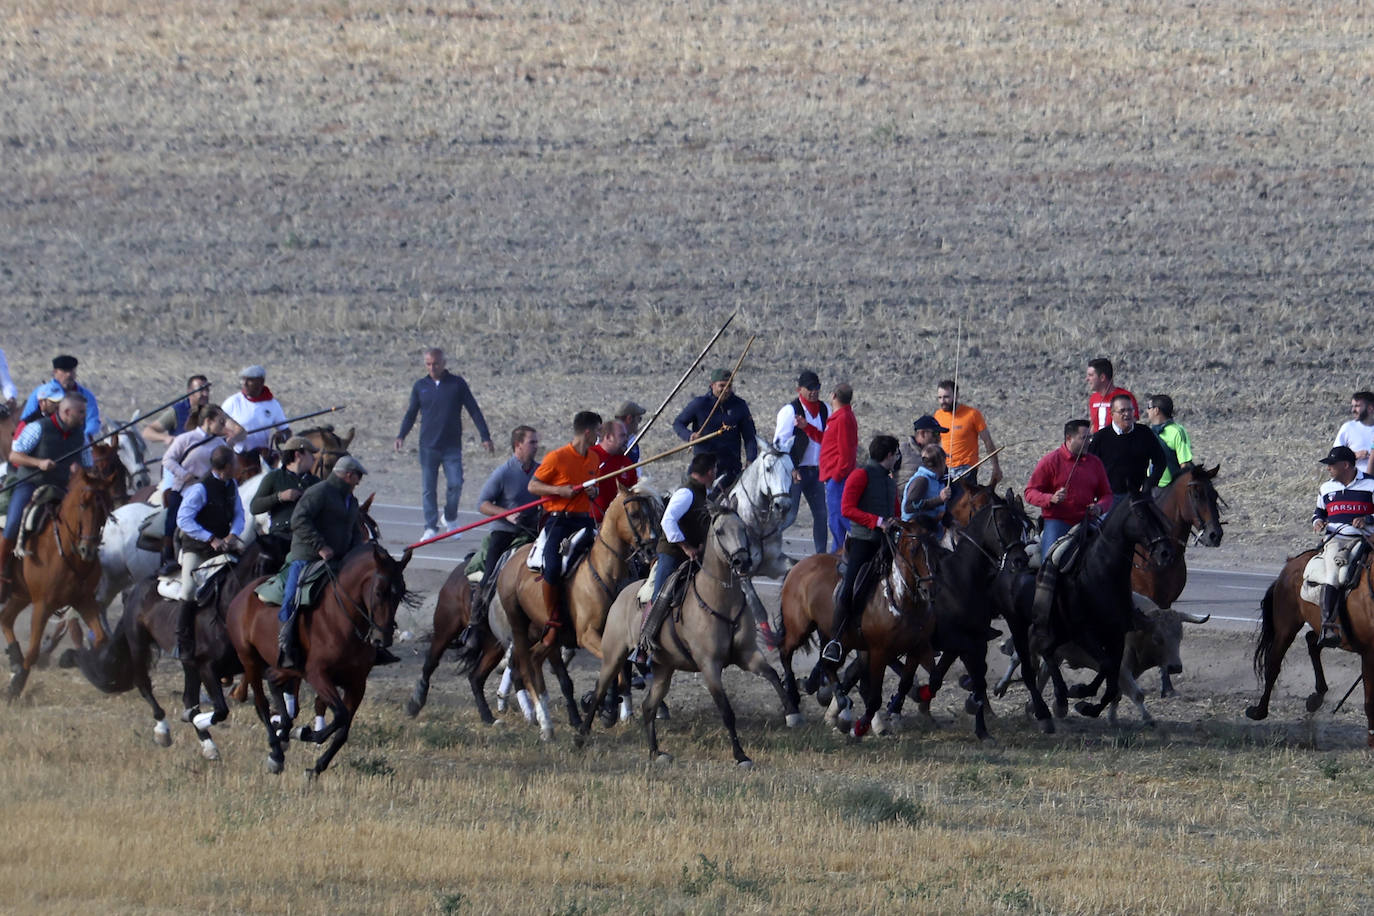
961, 442
564, 467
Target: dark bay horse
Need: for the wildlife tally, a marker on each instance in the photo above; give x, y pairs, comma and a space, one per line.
895, 622
1191, 504
1093, 605
711, 629
1283, 613
150, 621
61, 569
340, 636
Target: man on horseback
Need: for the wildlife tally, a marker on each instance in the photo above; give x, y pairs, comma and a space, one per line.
507, 487
559, 477
702, 417
686, 521
610, 453
187, 460
254, 406
64, 373
1344, 506
35, 455
209, 522
1178, 448
925, 496
182, 416
799, 432
278, 494
869, 502
1131, 453
325, 526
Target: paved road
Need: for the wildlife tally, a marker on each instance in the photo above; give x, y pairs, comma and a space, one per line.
1231, 597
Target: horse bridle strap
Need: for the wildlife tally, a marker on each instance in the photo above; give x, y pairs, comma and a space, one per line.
349, 603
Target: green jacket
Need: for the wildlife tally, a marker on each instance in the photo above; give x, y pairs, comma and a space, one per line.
267, 500
1178, 450
325, 515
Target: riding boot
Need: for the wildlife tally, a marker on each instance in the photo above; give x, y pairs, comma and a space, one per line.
553, 600
834, 650
653, 622
1042, 607
1331, 627
169, 558
288, 643
6, 568
471, 636
186, 631
384, 657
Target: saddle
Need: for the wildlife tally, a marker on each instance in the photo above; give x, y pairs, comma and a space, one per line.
42, 506
309, 588
474, 571
150, 531
1356, 565
572, 550
205, 580
1065, 552
869, 574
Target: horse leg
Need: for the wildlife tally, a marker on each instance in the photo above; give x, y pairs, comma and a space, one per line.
789, 679
1314, 652
343, 717
1129, 688
758, 664
437, 647
38, 623
612, 668
937, 679
1367, 669
530, 671
1020, 638
138, 659
662, 675
565, 684
8, 615
873, 692
906, 677
710, 673
976, 663
1080, 691
220, 711
477, 680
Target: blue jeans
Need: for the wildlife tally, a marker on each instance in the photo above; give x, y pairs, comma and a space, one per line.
839, 525
809, 486
288, 598
1055, 528
452, 461
19, 498
667, 562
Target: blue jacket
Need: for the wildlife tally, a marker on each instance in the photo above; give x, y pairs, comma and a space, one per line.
92, 408
733, 412
442, 404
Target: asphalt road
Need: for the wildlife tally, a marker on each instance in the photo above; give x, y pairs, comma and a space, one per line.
1231, 597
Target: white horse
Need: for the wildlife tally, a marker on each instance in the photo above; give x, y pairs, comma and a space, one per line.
133, 453
761, 497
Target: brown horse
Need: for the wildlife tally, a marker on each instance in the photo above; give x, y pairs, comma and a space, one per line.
340, 637
1283, 612
9, 419
332, 447
630, 527
709, 630
1191, 504
969, 500
896, 622
61, 568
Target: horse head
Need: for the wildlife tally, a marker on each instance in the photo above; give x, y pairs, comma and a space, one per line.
764, 490
911, 572
1143, 522
383, 592
133, 454
1204, 504
729, 537
88, 503
1001, 529
633, 518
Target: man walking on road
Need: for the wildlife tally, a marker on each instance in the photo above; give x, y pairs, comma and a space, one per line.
441, 396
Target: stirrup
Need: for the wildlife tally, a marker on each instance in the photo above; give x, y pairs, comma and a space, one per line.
1330, 638
833, 652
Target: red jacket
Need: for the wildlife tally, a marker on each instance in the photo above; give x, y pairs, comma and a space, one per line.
1086, 483
854, 486
839, 444
607, 489
1100, 407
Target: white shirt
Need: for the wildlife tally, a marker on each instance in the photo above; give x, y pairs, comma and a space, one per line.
1355, 436
678, 504
253, 414
786, 431
7, 389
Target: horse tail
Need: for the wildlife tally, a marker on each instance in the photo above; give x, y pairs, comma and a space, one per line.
110, 667
1266, 639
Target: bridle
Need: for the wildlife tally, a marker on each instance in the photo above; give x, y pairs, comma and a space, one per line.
1013, 553
764, 509
104, 505
643, 547
350, 606
1200, 500
908, 572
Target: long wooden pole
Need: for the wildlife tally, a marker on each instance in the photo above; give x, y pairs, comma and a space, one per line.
728, 383
634, 440
578, 488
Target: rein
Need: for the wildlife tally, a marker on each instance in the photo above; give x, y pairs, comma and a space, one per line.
104, 502
348, 604
763, 510
641, 547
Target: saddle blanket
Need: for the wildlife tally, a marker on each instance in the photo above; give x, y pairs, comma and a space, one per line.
202, 578
571, 550
308, 589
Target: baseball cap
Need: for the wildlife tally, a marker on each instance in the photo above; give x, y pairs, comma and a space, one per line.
720, 375
927, 422
1339, 453
630, 409
808, 380
253, 372
299, 443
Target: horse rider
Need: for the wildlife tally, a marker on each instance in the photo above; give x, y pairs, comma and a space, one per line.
630, 414
254, 406
1131, 453
187, 460
925, 495
64, 373
183, 415
686, 522
697, 420
277, 495
799, 432
965, 427
1178, 448
209, 522
610, 452
507, 487
1101, 392
1071, 488
869, 502
1345, 504
839, 444
325, 525
569, 508
38, 449
8, 393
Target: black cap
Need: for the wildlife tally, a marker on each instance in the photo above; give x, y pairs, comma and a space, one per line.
927, 422
64, 362
808, 380
1339, 453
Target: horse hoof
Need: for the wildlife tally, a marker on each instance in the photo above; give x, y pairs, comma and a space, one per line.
794, 719
579, 740
987, 740
311, 774
274, 765
162, 735
413, 708
546, 734
745, 764
1314, 702
1061, 709
971, 705
824, 694
209, 751
67, 659
1256, 712
663, 715
1087, 709
663, 760
501, 704
1046, 726
1166, 692
495, 722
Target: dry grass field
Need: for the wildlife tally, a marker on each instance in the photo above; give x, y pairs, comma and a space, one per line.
570, 198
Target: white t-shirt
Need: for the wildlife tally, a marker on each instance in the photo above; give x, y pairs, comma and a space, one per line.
251, 415
1356, 436
786, 431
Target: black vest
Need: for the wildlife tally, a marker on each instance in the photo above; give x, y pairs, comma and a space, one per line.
879, 498
217, 515
800, 440
695, 523
54, 443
